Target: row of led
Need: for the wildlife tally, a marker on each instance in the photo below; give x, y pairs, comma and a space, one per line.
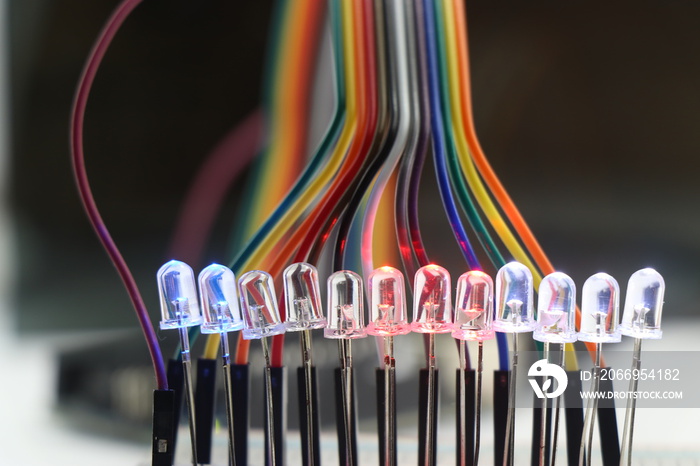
472, 318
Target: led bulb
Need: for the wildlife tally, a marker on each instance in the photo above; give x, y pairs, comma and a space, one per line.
179, 306
259, 305
473, 319
643, 304
514, 313
556, 309
387, 312
600, 306
219, 298
301, 290
432, 300
346, 317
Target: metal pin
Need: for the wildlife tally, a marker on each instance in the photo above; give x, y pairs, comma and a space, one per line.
479, 378
591, 408
389, 401
189, 393
510, 419
345, 351
555, 426
226, 360
628, 432
270, 402
543, 415
307, 364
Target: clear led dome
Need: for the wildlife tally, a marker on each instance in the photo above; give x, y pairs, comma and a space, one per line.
303, 297
387, 312
643, 305
259, 305
432, 306
473, 314
600, 307
179, 306
219, 298
556, 309
514, 308
346, 306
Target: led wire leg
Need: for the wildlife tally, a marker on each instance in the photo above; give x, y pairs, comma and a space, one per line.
555, 408
642, 320
479, 379
628, 432
389, 401
270, 403
345, 352
510, 419
600, 305
307, 364
228, 391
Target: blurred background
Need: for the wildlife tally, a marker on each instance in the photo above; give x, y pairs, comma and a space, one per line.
588, 112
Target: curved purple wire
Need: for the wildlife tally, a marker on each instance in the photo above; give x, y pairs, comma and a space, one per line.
78, 158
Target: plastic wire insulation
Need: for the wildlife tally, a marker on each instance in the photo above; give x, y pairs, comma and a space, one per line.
397, 39
424, 141
474, 154
372, 140
458, 182
455, 174
211, 183
439, 142
384, 134
353, 55
310, 183
78, 160
295, 53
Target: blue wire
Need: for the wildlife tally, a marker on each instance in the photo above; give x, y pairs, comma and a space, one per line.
440, 160
439, 145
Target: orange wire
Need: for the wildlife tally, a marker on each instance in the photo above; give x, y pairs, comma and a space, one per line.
366, 122
482, 163
299, 54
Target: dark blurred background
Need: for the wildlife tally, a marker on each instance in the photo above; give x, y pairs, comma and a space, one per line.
588, 112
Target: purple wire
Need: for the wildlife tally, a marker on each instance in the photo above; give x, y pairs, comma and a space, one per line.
78, 158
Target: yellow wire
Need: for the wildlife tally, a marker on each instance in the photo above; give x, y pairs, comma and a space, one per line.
326, 174
468, 168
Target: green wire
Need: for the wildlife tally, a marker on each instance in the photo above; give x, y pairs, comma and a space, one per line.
458, 182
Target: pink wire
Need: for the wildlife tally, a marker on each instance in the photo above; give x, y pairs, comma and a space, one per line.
208, 191
78, 158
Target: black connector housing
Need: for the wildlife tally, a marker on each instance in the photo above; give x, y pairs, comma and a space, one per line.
537, 427
470, 413
278, 376
607, 426
343, 436
423, 385
204, 402
500, 413
176, 382
303, 420
240, 386
574, 417
164, 428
